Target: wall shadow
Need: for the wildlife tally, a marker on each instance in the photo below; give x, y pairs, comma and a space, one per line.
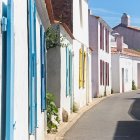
130, 130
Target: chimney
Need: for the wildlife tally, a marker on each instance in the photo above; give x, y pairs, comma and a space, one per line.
119, 42
125, 20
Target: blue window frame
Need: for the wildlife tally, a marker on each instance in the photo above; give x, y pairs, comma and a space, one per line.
43, 68
10, 72
32, 68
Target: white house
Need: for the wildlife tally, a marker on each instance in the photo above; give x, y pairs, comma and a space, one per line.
22, 62
72, 17
130, 33
127, 65
99, 41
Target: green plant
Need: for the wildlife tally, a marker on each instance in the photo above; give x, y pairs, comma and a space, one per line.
133, 85
52, 37
52, 114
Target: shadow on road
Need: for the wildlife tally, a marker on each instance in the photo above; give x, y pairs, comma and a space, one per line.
130, 130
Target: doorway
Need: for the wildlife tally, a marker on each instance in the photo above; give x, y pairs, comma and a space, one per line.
122, 79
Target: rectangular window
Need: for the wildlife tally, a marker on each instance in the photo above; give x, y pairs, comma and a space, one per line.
126, 75
106, 65
82, 68
81, 13
101, 72
108, 41
101, 36
108, 74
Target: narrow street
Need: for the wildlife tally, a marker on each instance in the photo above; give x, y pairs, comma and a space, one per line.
115, 118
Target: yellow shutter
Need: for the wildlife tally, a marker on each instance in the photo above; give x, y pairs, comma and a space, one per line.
84, 68
80, 68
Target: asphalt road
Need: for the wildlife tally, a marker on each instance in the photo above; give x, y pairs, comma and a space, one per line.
115, 118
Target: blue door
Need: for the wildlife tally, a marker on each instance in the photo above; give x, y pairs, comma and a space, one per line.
3, 96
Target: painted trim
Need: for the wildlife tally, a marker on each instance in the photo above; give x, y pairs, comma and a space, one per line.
10, 72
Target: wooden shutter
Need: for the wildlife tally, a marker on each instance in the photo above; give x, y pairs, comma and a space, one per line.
43, 72
103, 37
100, 72
10, 72
108, 74
100, 36
80, 68
67, 71
108, 41
106, 77
84, 72
32, 69
70, 72
103, 71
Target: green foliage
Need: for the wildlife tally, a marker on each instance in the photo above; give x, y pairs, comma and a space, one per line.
52, 38
133, 85
52, 114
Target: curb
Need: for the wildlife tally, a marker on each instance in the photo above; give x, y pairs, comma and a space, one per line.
73, 118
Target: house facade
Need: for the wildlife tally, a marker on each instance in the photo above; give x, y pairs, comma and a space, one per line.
73, 86
130, 33
99, 41
127, 66
23, 92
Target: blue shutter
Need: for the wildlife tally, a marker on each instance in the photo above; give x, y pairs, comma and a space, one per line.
70, 72
10, 72
32, 68
43, 75
67, 71
36, 116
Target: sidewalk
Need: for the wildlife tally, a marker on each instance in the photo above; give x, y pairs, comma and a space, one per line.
73, 118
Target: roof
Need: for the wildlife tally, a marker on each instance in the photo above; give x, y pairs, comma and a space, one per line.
128, 27
102, 21
126, 51
49, 7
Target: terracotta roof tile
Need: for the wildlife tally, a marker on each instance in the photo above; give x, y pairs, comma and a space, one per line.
126, 51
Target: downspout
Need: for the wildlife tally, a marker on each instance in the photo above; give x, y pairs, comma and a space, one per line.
10, 72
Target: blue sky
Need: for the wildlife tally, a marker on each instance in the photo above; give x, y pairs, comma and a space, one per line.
112, 10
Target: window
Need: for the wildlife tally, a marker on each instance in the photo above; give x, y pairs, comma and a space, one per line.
81, 13
82, 68
101, 36
126, 75
68, 72
101, 73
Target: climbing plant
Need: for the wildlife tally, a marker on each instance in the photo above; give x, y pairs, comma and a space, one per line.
52, 114
54, 39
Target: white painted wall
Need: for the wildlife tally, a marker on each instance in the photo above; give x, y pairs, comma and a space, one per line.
97, 55
56, 81
128, 63
21, 94
21, 71
65, 101
80, 32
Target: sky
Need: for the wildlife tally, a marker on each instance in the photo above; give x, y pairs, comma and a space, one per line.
112, 10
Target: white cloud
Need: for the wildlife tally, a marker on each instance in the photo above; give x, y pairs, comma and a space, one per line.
104, 11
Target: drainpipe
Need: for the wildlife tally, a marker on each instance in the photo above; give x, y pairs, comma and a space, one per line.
10, 72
